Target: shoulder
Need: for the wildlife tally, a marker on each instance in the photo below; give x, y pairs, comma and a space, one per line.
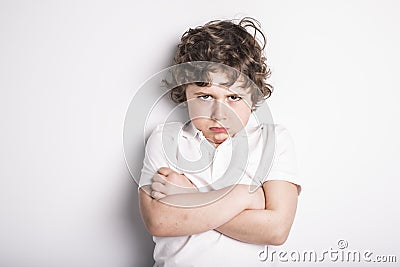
278, 128
167, 127
164, 132
282, 132
281, 138
277, 131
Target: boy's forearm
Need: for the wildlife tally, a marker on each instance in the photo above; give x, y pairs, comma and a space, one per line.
163, 219
254, 226
270, 226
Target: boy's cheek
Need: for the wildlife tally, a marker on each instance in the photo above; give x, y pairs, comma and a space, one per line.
197, 110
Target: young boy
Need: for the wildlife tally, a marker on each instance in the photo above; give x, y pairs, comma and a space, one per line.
195, 200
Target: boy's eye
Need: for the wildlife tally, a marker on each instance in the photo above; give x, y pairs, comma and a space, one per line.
205, 97
234, 98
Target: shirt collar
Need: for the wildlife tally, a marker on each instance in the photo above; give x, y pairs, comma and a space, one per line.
190, 131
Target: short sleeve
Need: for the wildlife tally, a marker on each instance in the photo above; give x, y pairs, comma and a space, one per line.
284, 166
154, 157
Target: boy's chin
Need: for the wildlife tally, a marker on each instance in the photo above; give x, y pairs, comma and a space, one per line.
219, 138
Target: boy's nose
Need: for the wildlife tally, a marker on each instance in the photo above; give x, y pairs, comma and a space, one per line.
218, 111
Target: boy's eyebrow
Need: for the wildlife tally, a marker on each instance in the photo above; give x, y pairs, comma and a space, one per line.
203, 93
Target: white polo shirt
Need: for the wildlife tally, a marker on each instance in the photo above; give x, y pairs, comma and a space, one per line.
212, 248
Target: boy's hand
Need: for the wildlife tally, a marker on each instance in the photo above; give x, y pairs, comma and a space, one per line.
168, 182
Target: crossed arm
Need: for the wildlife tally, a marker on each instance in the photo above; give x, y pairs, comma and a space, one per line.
171, 206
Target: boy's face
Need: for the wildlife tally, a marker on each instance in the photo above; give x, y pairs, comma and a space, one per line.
218, 111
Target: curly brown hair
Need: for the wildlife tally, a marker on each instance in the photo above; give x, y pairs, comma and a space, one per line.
230, 44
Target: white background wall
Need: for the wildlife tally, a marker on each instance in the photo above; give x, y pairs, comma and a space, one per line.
68, 70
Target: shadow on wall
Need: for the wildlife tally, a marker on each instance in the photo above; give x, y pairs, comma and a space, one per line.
142, 242
143, 245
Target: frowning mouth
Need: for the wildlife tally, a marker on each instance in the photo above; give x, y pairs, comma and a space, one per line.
218, 129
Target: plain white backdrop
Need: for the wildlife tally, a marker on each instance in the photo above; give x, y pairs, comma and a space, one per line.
69, 69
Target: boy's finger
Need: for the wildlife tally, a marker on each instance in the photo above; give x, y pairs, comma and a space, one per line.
165, 171
156, 186
157, 195
159, 178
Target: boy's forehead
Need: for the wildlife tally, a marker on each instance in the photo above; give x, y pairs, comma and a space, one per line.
220, 79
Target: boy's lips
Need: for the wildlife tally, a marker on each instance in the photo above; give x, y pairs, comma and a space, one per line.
218, 129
